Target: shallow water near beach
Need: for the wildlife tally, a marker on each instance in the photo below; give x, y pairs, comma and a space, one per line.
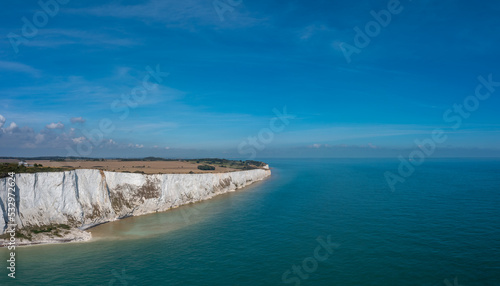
440, 226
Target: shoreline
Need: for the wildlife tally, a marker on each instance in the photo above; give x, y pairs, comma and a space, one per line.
82, 234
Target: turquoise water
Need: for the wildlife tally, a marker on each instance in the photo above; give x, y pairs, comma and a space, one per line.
441, 227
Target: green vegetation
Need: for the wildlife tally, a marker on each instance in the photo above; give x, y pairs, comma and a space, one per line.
234, 164
18, 234
206, 167
27, 233
6, 168
255, 163
50, 228
148, 159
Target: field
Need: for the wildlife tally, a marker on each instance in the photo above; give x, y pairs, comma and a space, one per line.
156, 166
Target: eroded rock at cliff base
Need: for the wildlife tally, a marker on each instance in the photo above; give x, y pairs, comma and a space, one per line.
57, 207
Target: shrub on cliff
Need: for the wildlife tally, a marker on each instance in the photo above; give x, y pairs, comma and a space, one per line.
206, 167
6, 168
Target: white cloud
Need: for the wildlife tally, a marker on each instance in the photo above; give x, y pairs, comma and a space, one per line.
60, 37
109, 143
29, 145
57, 125
312, 30
130, 145
13, 136
12, 127
19, 67
39, 138
179, 14
77, 120
78, 140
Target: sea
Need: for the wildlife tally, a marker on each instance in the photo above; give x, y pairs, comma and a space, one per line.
313, 222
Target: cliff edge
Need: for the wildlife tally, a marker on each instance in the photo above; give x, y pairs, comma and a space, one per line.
58, 207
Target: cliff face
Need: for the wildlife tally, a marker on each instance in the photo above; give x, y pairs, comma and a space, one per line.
84, 198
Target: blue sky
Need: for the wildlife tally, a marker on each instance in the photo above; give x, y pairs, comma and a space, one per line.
229, 70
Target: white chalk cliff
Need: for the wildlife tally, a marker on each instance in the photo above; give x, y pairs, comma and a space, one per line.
85, 198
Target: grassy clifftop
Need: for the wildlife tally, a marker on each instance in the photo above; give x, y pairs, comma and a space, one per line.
149, 165
6, 168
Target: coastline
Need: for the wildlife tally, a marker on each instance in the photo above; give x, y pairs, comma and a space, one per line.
50, 201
